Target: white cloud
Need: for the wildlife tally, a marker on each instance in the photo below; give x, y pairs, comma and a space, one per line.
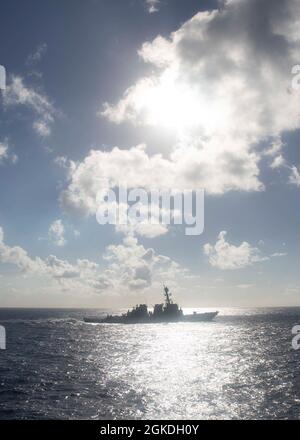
37, 55
143, 230
56, 233
294, 178
222, 81
152, 6
3, 151
276, 147
226, 256
185, 169
66, 274
5, 154
278, 162
132, 266
62, 161
129, 266
18, 256
48, 150
42, 128
14, 158
279, 254
17, 93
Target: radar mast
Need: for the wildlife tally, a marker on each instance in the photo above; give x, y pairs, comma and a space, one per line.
168, 295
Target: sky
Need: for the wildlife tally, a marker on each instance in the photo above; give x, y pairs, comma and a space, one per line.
175, 94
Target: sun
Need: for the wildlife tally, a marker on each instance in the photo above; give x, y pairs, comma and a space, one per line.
176, 105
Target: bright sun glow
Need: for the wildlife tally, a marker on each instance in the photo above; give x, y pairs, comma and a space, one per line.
176, 105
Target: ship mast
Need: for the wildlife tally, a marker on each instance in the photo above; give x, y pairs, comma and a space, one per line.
168, 295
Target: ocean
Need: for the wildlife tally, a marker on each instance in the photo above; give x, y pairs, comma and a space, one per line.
242, 366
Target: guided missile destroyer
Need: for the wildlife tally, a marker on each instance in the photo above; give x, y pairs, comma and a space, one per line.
165, 312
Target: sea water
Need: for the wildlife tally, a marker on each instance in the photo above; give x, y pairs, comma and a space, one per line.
241, 366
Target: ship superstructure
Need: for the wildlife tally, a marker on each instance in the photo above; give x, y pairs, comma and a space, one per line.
165, 312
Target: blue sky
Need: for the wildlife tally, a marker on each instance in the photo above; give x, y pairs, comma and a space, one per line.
207, 87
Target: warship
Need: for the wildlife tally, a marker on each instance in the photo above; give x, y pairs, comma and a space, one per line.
165, 312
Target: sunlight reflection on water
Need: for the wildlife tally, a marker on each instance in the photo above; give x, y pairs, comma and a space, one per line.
237, 367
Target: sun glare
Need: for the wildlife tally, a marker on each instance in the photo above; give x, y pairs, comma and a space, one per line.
176, 105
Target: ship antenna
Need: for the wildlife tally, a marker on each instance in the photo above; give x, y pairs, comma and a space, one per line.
167, 295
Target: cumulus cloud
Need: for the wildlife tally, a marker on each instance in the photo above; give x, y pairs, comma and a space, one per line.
152, 6
18, 256
147, 230
279, 254
185, 169
3, 151
56, 233
132, 266
42, 128
128, 266
37, 55
275, 148
228, 60
62, 161
17, 93
63, 272
226, 256
223, 82
294, 178
278, 162
79, 275
5, 154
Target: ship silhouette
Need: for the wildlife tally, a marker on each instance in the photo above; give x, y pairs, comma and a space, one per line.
165, 312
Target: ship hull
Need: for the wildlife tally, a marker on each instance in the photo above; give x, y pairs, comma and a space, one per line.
196, 317
200, 317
